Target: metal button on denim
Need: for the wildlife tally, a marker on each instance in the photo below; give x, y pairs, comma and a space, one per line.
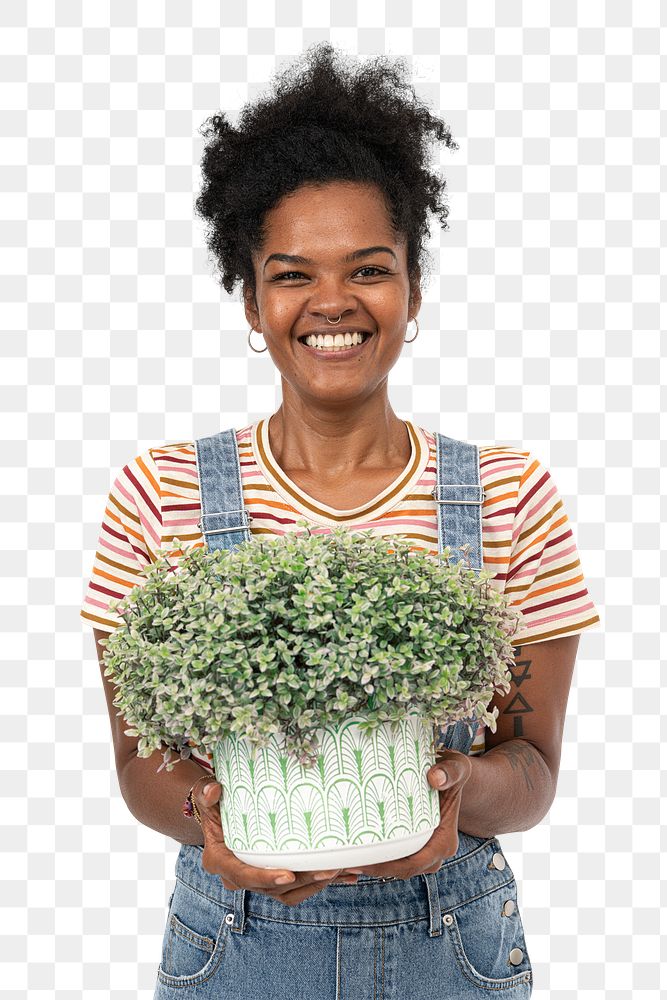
229, 919
498, 861
508, 908
516, 956
448, 919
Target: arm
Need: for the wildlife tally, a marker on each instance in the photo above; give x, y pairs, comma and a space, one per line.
513, 784
154, 799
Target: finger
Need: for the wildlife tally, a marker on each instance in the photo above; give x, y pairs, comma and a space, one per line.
207, 799
293, 893
294, 896
438, 777
236, 873
302, 879
394, 869
450, 771
401, 868
444, 841
232, 886
217, 857
324, 876
384, 868
428, 858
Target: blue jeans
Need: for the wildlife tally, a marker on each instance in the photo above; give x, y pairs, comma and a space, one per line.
443, 935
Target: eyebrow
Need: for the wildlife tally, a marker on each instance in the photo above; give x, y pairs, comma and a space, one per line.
287, 258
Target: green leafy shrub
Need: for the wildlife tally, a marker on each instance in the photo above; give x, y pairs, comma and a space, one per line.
290, 634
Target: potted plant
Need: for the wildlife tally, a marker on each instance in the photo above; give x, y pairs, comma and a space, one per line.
318, 670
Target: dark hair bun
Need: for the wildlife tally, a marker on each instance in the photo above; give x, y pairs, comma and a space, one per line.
324, 121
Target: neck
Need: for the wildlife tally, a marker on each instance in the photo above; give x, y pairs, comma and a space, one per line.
331, 446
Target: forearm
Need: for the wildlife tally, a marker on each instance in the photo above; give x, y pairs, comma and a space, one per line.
510, 789
156, 799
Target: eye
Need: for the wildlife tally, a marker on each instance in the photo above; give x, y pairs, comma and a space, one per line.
285, 274
289, 274
372, 267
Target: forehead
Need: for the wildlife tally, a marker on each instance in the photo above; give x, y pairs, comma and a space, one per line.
328, 219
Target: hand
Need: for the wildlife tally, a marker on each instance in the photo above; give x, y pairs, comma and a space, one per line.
444, 843
235, 874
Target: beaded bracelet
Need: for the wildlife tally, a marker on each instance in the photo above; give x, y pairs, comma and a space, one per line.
189, 807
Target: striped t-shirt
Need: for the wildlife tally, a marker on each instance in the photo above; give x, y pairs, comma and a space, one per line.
526, 538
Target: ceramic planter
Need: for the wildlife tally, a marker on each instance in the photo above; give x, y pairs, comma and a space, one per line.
367, 799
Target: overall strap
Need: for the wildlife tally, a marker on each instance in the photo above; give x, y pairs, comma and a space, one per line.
459, 497
224, 522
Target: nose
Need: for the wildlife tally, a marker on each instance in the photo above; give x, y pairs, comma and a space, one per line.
332, 299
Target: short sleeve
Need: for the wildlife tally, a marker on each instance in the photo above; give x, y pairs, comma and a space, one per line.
130, 536
545, 578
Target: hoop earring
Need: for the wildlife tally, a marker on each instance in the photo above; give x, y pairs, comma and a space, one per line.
250, 345
415, 336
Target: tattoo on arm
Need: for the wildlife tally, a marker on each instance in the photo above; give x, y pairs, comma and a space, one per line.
524, 758
519, 706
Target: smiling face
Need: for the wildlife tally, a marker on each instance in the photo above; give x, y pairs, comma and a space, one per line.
330, 250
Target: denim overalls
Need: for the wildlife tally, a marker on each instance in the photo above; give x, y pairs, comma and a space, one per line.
455, 933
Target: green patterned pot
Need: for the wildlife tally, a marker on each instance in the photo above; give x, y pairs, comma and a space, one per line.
367, 799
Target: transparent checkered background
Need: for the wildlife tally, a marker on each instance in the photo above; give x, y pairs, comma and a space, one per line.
540, 328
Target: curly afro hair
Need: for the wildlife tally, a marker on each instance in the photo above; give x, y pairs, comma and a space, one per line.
323, 122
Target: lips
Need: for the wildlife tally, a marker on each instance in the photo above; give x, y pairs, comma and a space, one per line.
340, 355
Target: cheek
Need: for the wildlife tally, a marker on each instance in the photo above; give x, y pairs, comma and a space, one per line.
388, 303
279, 312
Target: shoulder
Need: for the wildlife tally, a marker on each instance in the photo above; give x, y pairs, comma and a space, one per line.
172, 454
142, 474
516, 478
503, 468
491, 456
151, 483
164, 465
501, 461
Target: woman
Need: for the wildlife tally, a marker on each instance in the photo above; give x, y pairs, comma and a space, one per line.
318, 203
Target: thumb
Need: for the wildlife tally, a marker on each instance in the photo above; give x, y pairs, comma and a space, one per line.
439, 776
211, 792
207, 796
452, 769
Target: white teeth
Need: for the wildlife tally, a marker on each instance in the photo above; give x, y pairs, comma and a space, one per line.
334, 342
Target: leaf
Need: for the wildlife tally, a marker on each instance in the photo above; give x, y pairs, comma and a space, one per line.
297, 631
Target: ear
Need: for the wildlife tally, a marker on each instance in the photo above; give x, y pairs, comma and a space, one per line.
250, 307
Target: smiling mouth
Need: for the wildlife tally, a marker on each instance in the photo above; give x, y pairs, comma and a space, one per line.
336, 348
